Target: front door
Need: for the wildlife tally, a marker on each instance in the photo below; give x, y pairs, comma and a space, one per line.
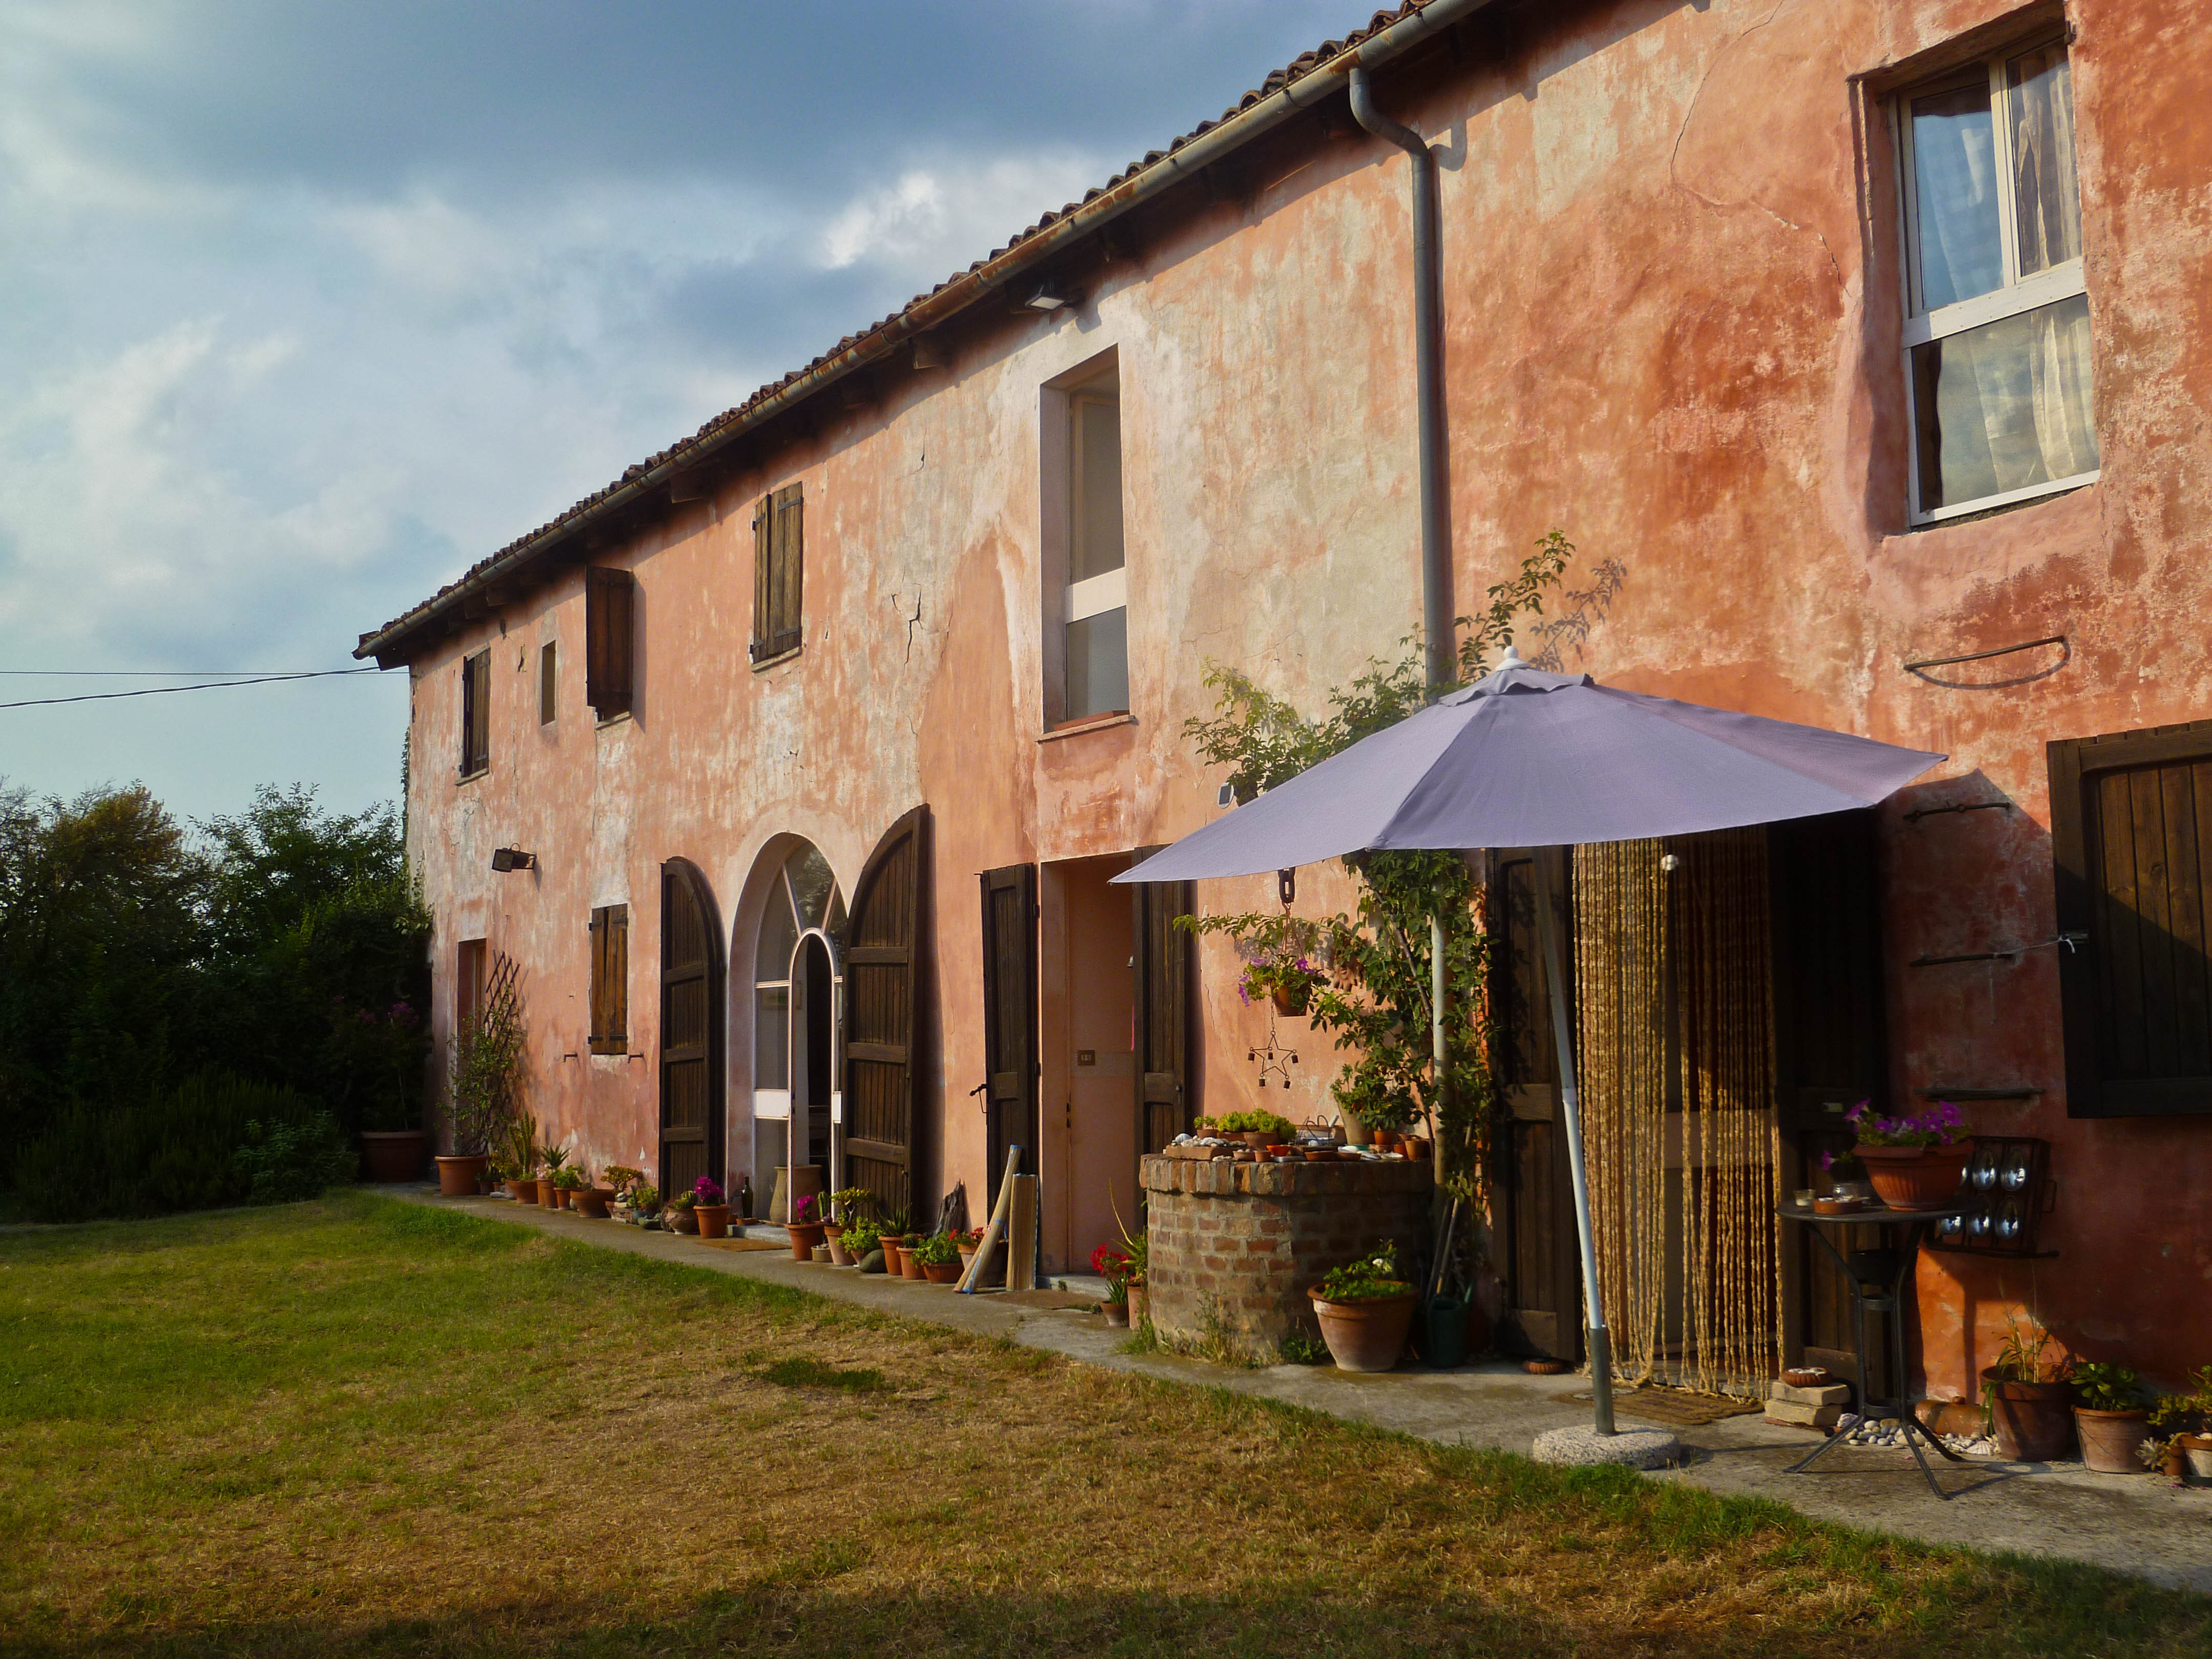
691, 1030
887, 932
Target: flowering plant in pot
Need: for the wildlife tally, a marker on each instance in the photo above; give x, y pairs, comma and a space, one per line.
709, 1208
806, 1228
2109, 1416
940, 1257
1915, 1161
2026, 1393
1366, 1309
1288, 981
1114, 1265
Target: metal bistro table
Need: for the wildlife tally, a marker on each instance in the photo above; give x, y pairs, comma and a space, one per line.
1877, 1279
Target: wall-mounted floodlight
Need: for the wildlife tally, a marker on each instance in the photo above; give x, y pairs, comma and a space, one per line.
1051, 295
508, 859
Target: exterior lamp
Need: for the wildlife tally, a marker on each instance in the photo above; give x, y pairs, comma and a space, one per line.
1051, 296
508, 859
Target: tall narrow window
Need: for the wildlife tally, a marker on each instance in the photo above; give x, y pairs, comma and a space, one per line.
611, 978
476, 713
549, 684
1097, 596
609, 641
779, 572
1997, 336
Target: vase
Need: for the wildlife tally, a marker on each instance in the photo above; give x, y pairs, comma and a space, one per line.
1915, 1178
393, 1155
714, 1220
2196, 1454
2034, 1421
2109, 1439
458, 1176
892, 1246
1367, 1335
792, 1182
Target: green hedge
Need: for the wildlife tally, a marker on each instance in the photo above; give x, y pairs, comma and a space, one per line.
214, 1139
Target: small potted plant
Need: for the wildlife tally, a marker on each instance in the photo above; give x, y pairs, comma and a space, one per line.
940, 1257
644, 1200
855, 1244
591, 1198
708, 1208
1286, 980
806, 1228
849, 1204
2109, 1417
2026, 1393
567, 1181
678, 1217
1915, 1161
549, 1163
1137, 1247
1365, 1309
1113, 1265
2185, 1420
619, 1179
892, 1240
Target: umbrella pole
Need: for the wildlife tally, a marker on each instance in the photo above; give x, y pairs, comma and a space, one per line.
1600, 1346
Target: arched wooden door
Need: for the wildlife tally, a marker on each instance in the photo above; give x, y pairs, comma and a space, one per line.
886, 975
691, 1018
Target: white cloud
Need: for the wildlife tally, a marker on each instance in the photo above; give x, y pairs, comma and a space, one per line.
939, 219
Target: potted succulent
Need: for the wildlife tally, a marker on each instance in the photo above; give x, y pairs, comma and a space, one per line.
549, 1162
890, 1238
678, 1217
2109, 1416
1261, 1128
709, 1209
1370, 1105
1365, 1309
849, 1204
806, 1228
939, 1258
519, 1158
1114, 1267
2027, 1392
1140, 1250
1915, 1161
619, 1179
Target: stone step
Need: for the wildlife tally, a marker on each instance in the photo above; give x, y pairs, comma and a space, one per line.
1831, 1394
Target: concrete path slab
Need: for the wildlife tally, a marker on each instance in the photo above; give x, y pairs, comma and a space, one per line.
2132, 1524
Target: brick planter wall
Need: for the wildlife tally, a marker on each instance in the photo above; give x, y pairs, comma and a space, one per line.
1234, 1246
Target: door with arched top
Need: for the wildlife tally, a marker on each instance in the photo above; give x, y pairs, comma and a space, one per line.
690, 1030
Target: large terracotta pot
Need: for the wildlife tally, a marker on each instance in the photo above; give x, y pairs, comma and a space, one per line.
681, 1221
458, 1177
894, 1253
804, 1236
593, 1202
2034, 1421
522, 1192
1367, 1335
1915, 1178
2109, 1439
910, 1266
714, 1220
394, 1155
792, 1184
941, 1273
548, 1196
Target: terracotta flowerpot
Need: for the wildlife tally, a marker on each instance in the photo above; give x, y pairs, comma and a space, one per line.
714, 1220
1915, 1178
838, 1255
593, 1202
458, 1177
681, 1221
547, 1199
1415, 1147
1117, 1313
1356, 1133
393, 1155
2034, 1421
2109, 1439
1292, 1000
1136, 1294
2197, 1455
804, 1236
522, 1192
910, 1266
1367, 1335
941, 1273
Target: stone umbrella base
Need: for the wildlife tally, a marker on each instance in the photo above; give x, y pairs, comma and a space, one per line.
1638, 1449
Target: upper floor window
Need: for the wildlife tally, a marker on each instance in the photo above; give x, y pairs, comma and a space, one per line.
1997, 336
549, 683
609, 641
779, 572
476, 713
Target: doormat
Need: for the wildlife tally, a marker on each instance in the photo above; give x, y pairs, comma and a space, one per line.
1679, 1406
742, 1244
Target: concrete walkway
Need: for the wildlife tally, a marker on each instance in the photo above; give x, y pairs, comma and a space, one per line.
2132, 1524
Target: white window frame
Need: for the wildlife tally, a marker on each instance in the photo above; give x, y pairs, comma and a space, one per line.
2016, 295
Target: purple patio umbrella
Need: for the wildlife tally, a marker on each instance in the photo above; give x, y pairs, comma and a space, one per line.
1524, 758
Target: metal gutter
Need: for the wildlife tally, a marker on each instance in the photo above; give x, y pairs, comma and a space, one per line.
1183, 162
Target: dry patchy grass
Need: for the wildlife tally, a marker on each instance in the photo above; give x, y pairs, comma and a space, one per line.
358, 1427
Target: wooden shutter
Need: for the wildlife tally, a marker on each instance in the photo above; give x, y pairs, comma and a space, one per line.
609, 641
549, 683
1166, 1103
611, 980
779, 572
1530, 1182
1009, 1019
691, 1027
476, 713
885, 974
2131, 839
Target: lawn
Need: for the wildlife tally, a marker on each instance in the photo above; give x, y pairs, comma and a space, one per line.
363, 1427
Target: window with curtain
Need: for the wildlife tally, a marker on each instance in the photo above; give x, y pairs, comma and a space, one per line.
1996, 336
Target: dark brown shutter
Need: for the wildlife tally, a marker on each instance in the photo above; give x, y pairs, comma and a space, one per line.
609, 641
465, 765
611, 980
549, 683
476, 713
1529, 1178
779, 572
885, 974
1009, 1019
763, 589
1166, 1102
691, 1081
2131, 839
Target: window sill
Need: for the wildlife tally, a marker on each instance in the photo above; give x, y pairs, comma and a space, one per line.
1088, 723
1967, 512
777, 660
602, 722
471, 777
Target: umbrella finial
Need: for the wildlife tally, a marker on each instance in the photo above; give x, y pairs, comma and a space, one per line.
1512, 658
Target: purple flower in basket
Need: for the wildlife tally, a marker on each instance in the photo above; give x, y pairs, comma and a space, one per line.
704, 1191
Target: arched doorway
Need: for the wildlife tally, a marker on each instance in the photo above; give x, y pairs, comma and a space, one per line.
691, 1015
797, 980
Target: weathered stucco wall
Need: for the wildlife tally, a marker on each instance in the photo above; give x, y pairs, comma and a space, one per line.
1673, 323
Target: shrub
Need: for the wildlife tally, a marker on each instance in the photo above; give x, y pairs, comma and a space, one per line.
284, 1163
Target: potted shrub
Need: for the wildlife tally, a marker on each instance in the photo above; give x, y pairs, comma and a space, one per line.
616, 1180
1113, 1265
2027, 1393
849, 1204
855, 1244
1370, 1104
806, 1228
710, 1212
678, 1217
1138, 1249
939, 1258
1915, 1162
1365, 1310
2109, 1417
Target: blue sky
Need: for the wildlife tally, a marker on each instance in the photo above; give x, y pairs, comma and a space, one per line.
304, 308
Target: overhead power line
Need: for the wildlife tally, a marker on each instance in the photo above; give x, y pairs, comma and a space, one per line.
209, 685
161, 673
